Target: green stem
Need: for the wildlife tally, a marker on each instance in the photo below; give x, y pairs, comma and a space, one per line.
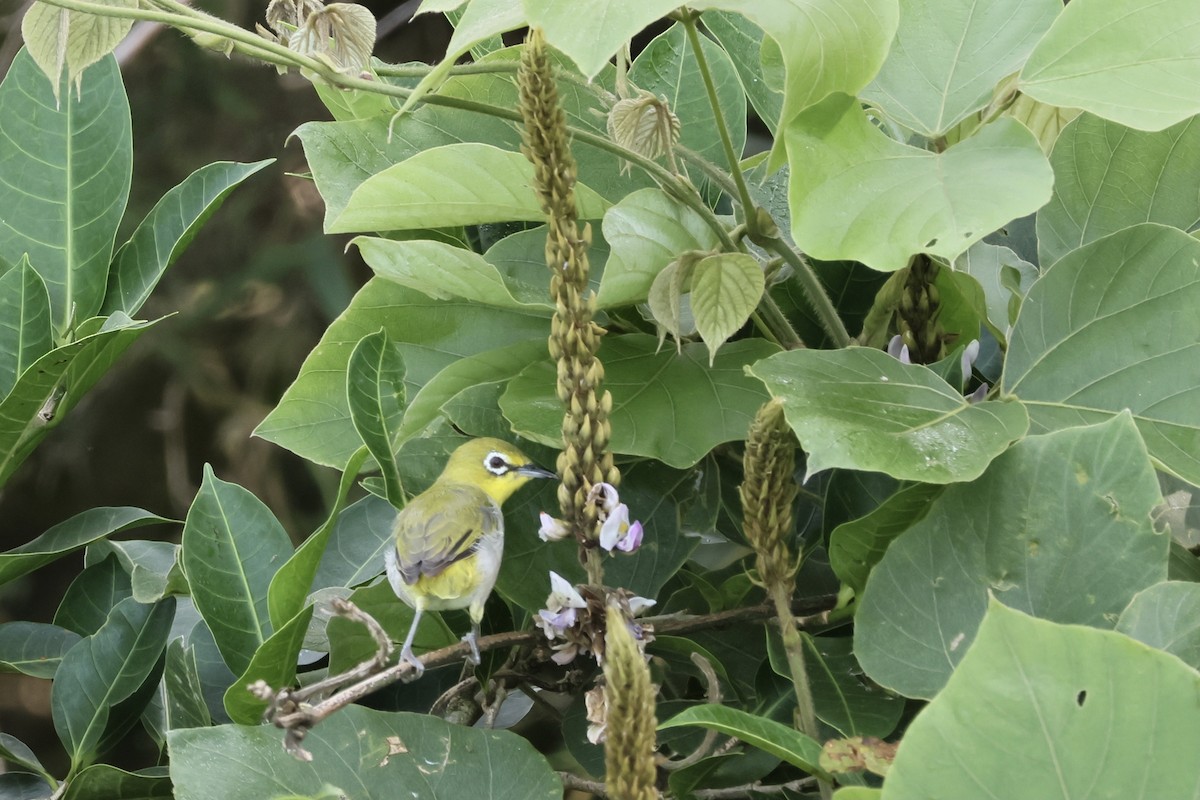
734, 159
810, 284
793, 648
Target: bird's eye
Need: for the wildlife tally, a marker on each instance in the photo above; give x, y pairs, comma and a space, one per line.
496, 464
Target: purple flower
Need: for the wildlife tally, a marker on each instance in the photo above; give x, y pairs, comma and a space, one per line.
552, 529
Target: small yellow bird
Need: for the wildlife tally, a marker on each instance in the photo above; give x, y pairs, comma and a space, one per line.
448, 539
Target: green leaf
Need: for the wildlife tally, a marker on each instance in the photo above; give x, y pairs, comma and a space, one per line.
181, 691
743, 41
858, 195
1108, 177
1059, 526
73, 534
25, 330
370, 753
17, 753
667, 67
104, 669
92, 595
442, 272
827, 45
1165, 616
455, 184
64, 181
855, 547
490, 366
354, 553
274, 662
313, 419
290, 585
842, 698
777, 739
647, 230
105, 782
34, 648
232, 546
668, 406
1090, 341
375, 394
991, 266
1050, 697
1132, 62
726, 289
859, 408
948, 55
167, 231
56, 382
153, 567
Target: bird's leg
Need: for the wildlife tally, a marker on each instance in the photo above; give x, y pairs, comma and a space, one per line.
406, 653
471, 639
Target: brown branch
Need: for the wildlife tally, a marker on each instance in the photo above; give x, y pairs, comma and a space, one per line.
290, 710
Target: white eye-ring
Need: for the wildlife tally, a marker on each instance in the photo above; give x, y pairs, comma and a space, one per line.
496, 463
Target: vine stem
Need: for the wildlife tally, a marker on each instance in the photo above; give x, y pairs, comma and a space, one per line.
810, 284
793, 648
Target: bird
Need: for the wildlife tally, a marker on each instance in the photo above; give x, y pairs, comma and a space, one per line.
447, 541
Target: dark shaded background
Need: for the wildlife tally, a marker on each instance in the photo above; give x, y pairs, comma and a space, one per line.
250, 297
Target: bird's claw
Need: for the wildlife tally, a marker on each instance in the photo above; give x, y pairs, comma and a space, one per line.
407, 656
470, 640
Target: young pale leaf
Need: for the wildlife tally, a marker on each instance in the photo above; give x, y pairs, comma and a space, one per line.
667, 68
989, 264
104, 669
669, 304
56, 382
437, 760
1059, 526
1133, 62
313, 418
670, 406
342, 33
726, 289
1108, 177
949, 54
232, 546
442, 271
65, 537
456, 184
860, 408
1050, 697
375, 394
26, 333
58, 38
858, 195
766, 734
647, 230
34, 648
79, 153
167, 231
1090, 342
274, 662
1166, 616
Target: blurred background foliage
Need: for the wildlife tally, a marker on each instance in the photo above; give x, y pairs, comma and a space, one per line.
248, 300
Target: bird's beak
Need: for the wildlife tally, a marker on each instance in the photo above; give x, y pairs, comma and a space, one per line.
534, 471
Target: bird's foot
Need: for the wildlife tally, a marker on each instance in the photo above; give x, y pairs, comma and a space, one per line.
470, 640
407, 656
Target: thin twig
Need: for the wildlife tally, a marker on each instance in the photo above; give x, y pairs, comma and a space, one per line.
572, 781
710, 736
756, 788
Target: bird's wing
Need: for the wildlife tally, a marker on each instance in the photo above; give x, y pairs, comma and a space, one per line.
441, 526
